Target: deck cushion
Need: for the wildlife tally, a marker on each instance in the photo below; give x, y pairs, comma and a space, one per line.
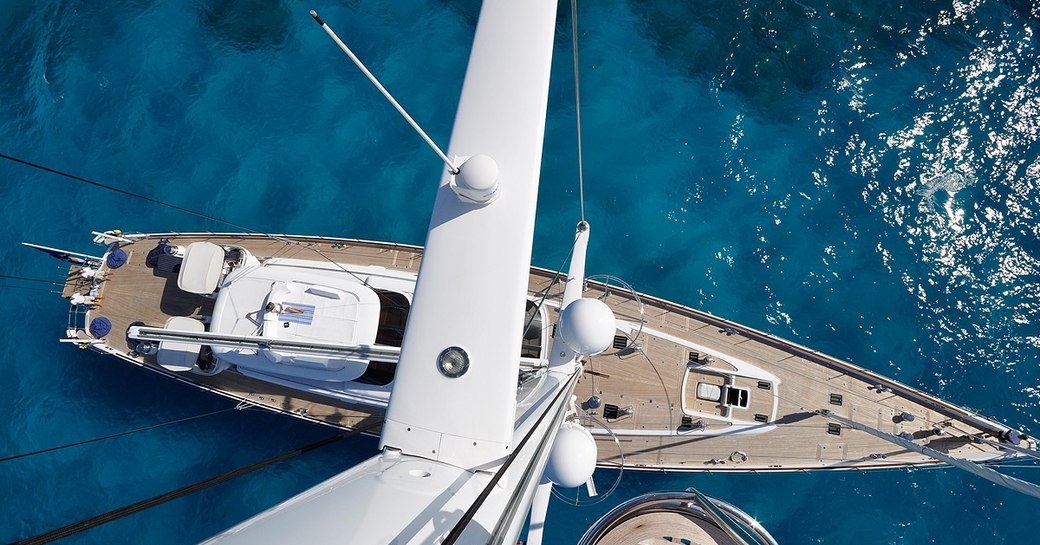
202, 268
709, 392
179, 356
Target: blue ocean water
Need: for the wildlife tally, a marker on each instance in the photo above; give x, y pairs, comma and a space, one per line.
859, 177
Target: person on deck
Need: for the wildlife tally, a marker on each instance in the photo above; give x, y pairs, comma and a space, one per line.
88, 273
87, 300
280, 308
1014, 437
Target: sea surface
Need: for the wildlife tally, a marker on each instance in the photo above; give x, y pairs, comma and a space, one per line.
857, 176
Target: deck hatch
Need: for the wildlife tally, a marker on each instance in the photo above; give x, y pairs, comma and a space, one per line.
737, 397
835, 399
620, 342
765, 385
393, 315
611, 412
761, 417
834, 429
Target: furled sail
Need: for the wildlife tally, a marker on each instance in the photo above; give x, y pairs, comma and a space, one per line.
1023, 451
985, 472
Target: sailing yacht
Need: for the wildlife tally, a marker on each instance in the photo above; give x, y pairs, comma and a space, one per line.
314, 327
469, 363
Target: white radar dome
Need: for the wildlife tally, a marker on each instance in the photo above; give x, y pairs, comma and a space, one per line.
477, 180
573, 458
587, 326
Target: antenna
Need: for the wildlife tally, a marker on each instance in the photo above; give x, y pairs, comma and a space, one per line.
451, 164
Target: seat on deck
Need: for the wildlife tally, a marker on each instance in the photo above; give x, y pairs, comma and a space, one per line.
709, 392
202, 268
179, 356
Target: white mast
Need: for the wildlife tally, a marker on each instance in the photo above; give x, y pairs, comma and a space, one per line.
452, 425
473, 280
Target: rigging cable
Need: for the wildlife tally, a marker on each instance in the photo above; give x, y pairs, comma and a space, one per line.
114, 435
168, 205
850, 423
27, 279
8, 286
122, 191
984, 472
545, 295
393, 101
1010, 447
577, 105
456, 532
116, 514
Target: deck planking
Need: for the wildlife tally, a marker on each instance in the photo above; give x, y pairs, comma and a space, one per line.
645, 380
125, 293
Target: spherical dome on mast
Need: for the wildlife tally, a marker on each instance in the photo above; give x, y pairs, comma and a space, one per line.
573, 457
587, 326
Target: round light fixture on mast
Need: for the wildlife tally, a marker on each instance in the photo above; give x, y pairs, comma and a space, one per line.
453, 362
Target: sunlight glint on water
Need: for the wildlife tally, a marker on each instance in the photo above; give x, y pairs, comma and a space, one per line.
859, 177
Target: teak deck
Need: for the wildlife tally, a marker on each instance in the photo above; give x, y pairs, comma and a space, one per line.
639, 387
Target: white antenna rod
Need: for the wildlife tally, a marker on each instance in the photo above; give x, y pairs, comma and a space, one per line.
451, 165
577, 106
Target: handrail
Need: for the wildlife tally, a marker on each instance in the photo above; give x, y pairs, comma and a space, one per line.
143, 333
689, 502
